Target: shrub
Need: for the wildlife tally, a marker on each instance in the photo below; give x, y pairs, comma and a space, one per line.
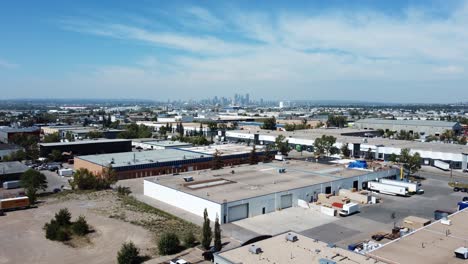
189, 239
168, 244
80, 227
55, 232
121, 190
63, 217
128, 254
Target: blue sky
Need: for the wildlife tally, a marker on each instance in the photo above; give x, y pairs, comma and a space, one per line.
396, 51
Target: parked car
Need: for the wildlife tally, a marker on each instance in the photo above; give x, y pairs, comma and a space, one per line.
456, 189
179, 261
463, 189
465, 199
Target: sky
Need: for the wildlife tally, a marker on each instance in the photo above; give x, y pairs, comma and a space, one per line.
375, 50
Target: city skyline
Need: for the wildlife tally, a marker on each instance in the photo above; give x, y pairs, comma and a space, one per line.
399, 51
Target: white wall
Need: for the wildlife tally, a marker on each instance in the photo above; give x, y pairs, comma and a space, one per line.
181, 200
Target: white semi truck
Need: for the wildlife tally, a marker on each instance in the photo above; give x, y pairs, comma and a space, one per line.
387, 188
413, 187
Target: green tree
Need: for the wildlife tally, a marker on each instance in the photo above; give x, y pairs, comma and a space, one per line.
213, 127
80, 227
218, 162
411, 162
63, 217
207, 234
32, 181
336, 121
168, 244
128, 254
282, 145
53, 137
345, 150
55, 155
269, 123
324, 145
217, 235
53, 231
268, 154
94, 134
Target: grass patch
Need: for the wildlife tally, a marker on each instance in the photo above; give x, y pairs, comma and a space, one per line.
164, 221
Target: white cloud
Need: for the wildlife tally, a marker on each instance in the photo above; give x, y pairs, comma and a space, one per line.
293, 52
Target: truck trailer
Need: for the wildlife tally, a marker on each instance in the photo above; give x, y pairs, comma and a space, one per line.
442, 165
65, 172
349, 209
11, 184
14, 203
413, 187
387, 188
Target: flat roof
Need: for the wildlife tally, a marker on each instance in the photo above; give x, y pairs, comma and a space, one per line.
224, 149
19, 129
166, 143
312, 134
304, 251
432, 244
81, 142
12, 167
123, 159
249, 181
434, 123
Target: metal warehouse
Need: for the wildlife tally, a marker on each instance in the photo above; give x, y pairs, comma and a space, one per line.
246, 191
85, 147
165, 161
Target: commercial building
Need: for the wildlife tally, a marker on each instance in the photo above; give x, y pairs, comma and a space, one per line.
246, 191
378, 148
422, 127
79, 132
290, 248
433, 244
165, 161
7, 133
86, 147
11, 171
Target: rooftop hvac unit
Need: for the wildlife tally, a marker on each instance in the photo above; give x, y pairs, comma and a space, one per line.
461, 253
188, 179
255, 249
291, 237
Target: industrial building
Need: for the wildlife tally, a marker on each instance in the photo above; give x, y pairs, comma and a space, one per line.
246, 191
7, 133
422, 127
158, 144
165, 161
290, 247
11, 171
379, 148
8, 149
79, 132
86, 147
433, 244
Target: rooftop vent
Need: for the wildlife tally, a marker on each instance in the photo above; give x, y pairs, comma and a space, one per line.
255, 249
188, 179
461, 253
291, 237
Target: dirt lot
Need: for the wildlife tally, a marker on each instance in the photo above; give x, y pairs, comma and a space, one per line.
115, 220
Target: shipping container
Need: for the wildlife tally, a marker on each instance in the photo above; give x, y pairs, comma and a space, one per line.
14, 203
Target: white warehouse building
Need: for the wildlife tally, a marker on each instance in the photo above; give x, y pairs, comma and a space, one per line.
247, 191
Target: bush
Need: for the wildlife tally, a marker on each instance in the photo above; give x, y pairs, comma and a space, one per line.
123, 190
168, 244
56, 232
83, 179
189, 239
63, 217
128, 254
80, 227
